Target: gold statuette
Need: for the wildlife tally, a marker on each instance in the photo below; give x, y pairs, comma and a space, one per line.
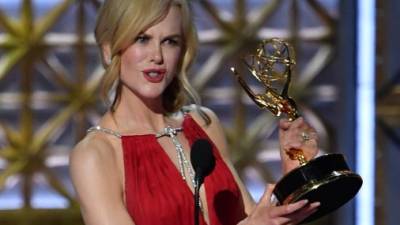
271, 65
326, 179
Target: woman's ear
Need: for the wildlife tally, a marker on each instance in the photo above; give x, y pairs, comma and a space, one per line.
106, 53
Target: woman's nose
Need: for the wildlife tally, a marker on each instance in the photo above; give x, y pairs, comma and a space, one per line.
156, 54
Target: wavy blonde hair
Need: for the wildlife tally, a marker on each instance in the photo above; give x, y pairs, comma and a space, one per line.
119, 22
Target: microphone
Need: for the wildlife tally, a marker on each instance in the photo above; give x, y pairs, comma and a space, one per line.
202, 159
203, 163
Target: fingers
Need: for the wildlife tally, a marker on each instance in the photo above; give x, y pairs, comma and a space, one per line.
267, 213
284, 210
266, 198
286, 124
298, 124
294, 213
300, 214
297, 134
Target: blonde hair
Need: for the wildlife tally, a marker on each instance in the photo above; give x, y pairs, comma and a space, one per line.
119, 22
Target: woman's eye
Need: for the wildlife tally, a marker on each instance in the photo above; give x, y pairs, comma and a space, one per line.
141, 39
173, 42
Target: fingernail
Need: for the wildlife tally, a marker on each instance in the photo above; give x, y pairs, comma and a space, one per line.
304, 201
315, 204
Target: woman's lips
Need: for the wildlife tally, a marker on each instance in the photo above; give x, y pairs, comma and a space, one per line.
154, 75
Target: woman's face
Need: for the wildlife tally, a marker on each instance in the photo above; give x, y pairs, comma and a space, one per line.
149, 64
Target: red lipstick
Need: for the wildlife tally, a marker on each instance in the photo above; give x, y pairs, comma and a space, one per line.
154, 75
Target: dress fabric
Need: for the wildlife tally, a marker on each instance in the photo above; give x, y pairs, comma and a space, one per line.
156, 193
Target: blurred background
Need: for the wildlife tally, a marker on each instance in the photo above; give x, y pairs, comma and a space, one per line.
346, 83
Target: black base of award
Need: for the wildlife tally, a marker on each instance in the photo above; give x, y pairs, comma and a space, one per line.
326, 179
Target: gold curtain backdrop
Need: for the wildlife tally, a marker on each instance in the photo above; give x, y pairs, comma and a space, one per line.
50, 73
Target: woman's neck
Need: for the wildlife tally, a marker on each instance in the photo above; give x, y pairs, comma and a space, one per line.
135, 115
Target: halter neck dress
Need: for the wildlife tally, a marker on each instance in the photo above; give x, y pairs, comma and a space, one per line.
156, 194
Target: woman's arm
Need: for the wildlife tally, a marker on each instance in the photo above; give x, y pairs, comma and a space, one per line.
266, 213
94, 174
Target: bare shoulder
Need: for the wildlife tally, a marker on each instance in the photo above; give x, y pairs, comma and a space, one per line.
96, 179
214, 130
94, 148
196, 113
93, 162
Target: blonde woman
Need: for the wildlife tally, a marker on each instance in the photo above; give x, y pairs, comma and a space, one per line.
133, 167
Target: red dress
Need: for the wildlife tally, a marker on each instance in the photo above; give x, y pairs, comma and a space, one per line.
156, 194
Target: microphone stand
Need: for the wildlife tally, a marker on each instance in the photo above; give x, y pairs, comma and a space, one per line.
197, 184
203, 163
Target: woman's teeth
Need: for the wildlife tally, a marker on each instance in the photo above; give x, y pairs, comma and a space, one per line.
153, 74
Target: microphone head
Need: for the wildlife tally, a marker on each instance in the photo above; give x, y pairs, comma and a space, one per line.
202, 158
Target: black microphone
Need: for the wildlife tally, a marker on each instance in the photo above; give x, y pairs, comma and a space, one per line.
203, 163
202, 159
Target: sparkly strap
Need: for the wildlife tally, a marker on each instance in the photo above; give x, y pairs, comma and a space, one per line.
169, 131
104, 130
188, 109
184, 164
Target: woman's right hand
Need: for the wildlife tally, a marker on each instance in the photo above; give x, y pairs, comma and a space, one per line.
266, 213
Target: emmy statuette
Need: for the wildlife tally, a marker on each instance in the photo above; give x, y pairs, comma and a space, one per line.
327, 178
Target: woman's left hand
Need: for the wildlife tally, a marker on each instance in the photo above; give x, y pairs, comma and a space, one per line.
294, 136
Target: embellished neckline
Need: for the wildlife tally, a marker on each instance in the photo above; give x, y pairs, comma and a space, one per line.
185, 168
169, 131
104, 130
165, 132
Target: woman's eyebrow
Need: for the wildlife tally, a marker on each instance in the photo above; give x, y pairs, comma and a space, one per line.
173, 36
